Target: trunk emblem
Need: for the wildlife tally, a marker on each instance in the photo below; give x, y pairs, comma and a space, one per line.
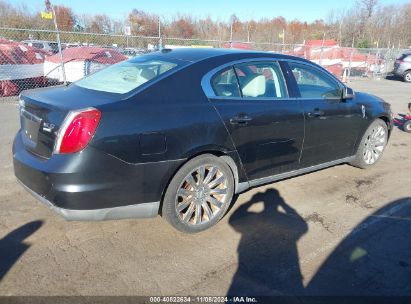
48, 127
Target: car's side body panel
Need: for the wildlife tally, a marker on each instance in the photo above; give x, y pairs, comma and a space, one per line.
145, 137
92, 179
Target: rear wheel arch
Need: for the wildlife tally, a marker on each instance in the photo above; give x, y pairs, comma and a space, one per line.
224, 153
218, 153
226, 158
168, 209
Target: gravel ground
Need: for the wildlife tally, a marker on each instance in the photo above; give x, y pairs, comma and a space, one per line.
338, 231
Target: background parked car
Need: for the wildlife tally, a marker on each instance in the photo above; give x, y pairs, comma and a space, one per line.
21, 67
80, 62
402, 67
50, 47
133, 52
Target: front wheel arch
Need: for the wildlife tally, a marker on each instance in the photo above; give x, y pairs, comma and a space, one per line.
358, 160
387, 122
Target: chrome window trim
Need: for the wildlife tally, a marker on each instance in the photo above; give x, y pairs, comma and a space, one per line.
209, 92
324, 72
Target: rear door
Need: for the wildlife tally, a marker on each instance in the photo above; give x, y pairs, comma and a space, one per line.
332, 124
266, 126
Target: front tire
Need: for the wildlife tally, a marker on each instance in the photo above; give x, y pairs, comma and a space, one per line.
407, 126
372, 145
199, 194
407, 76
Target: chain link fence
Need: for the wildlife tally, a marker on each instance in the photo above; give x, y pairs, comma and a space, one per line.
30, 58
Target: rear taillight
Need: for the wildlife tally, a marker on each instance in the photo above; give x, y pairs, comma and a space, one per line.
77, 130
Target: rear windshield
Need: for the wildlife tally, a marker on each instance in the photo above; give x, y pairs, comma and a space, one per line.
126, 76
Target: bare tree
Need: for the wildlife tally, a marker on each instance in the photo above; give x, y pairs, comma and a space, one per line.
365, 23
369, 7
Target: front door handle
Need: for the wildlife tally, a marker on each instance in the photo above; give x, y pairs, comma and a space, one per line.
315, 113
240, 119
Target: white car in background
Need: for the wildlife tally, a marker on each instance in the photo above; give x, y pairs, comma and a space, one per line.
80, 62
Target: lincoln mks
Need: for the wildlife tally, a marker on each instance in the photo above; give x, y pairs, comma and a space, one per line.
179, 132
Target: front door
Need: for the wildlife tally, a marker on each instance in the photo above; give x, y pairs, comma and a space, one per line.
332, 124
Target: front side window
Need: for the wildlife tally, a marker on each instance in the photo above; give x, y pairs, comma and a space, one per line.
261, 80
313, 83
126, 76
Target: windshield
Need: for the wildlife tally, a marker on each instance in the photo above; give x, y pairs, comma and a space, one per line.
126, 76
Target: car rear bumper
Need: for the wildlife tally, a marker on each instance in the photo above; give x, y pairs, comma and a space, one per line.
142, 210
93, 185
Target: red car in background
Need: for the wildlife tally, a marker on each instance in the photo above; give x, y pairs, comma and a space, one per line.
21, 67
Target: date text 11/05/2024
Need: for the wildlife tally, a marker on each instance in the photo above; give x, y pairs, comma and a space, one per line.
203, 299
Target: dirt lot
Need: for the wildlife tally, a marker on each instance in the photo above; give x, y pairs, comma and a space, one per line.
337, 231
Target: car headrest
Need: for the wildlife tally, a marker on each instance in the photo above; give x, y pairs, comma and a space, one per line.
254, 86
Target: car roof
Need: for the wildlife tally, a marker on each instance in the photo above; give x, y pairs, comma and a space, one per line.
198, 54
43, 41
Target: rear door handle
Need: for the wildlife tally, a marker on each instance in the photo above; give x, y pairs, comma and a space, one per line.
241, 119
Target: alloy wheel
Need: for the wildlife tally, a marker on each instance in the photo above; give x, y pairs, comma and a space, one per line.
201, 195
374, 145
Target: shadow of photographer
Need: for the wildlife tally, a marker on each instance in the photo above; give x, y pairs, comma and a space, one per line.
267, 252
373, 260
12, 246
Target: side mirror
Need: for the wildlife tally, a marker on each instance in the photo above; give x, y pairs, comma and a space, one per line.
348, 93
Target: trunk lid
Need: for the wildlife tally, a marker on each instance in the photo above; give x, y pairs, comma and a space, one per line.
42, 112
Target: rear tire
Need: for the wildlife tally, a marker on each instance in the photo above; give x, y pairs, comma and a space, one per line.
407, 126
199, 194
407, 76
372, 145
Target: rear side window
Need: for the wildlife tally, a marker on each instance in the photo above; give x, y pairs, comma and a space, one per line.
261, 80
225, 84
126, 76
313, 83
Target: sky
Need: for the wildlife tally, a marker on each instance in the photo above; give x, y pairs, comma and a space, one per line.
304, 10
